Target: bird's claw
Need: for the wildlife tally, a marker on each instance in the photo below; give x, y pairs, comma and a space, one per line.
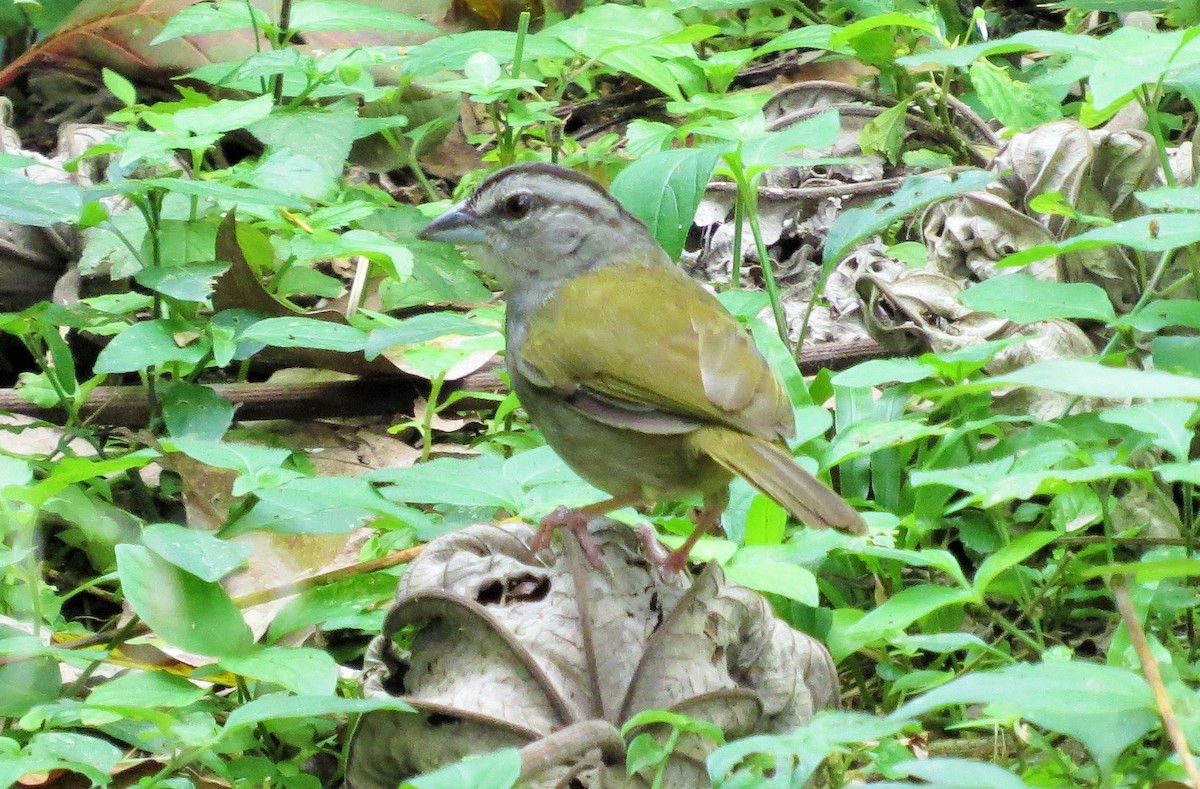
574, 521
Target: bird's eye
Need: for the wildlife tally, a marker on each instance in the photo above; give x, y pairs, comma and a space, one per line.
517, 206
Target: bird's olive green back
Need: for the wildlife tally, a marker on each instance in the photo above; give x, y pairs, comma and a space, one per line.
647, 335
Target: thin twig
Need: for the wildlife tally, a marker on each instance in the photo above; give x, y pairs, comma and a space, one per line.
1137, 637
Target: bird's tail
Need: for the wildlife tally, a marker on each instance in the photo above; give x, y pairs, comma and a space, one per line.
771, 470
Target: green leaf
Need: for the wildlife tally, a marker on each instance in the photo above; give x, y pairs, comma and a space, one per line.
894, 615
311, 505
643, 752
185, 281
1009, 556
23, 202
1145, 572
310, 15
1090, 379
1025, 299
624, 38
200, 553
229, 193
301, 670
952, 773
787, 580
1017, 105
1169, 422
1176, 354
195, 411
1161, 314
663, 189
876, 372
151, 343
296, 332
918, 191
765, 521
1148, 233
423, 328
189, 613
119, 86
151, 689
1109, 708
479, 482
203, 18
497, 770
281, 706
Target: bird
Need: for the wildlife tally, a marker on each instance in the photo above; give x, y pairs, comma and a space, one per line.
635, 373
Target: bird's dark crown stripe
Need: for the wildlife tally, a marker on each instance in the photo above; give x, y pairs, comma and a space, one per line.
541, 168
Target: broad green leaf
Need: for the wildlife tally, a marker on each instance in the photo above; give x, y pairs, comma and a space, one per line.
953, 773
1025, 299
151, 689
894, 19
301, 670
23, 202
1168, 421
663, 190
234, 195
1109, 708
340, 600
323, 134
308, 15
918, 191
479, 482
929, 557
1148, 571
876, 372
1017, 105
1148, 233
1176, 354
1171, 198
423, 328
866, 437
625, 38
195, 411
150, 343
1091, 379
200, 553
787, 580
223, 116
203, 18
311, 505
93, 756
186, 281
785, 761
279, 706
496, 770
765, 522
1009, 556
296, 332
994, 483
807, 37
189, 613
1161, 314
894, 615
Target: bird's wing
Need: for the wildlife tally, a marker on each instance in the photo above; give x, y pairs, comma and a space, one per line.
642, 346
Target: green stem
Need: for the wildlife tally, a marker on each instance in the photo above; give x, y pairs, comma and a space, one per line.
768, 270
435, 393
739, 222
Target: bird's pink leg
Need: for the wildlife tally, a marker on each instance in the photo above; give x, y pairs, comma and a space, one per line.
576, 521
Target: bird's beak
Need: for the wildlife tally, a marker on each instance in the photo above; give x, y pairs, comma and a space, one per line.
459, 225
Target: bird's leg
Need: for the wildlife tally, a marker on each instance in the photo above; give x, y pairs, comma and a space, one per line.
706, 519
576, 521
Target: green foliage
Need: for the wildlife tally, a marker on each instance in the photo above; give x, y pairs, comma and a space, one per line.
980, 600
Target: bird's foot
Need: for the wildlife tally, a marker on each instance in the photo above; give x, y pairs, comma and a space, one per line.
574, 521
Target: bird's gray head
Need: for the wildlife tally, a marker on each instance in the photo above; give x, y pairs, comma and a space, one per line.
540, 223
